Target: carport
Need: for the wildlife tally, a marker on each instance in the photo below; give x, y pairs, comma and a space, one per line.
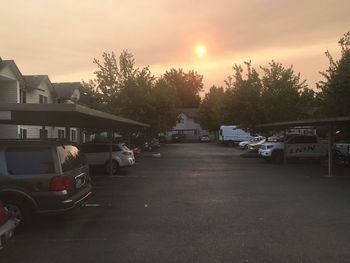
65, 115
328, 122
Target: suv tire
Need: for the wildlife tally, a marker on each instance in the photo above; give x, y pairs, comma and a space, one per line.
115, 167
19, 210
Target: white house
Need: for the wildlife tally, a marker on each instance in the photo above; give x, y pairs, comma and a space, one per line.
188, 125
12, 88
18, 88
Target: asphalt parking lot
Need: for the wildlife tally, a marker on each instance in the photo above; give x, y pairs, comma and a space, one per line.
199, 203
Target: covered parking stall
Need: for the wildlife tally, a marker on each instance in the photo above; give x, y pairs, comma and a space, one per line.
330, 123
66, 115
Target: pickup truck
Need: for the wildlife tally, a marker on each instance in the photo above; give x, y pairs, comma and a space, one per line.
298, 146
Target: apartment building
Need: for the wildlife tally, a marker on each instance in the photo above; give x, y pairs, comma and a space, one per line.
18, 88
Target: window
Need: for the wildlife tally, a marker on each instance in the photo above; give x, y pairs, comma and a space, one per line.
22, 133
22, 96
60, 134
73, 135
180, 120
29, 160
43, 134
194, 132
42, 99
71, 157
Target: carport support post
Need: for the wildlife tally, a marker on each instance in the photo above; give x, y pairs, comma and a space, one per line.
285, 147
330, 150
110, 152
67, 133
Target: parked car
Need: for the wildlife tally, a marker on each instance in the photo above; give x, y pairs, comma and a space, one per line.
155, 144
254, 147
97, 154
204, 138
41, 177
7, 226
298, 146
244, 144
342, 153
178, 137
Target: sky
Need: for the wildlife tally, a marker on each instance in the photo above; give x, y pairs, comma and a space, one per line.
61, 38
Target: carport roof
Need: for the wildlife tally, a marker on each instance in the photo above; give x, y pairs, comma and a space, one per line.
64, 115
310, 122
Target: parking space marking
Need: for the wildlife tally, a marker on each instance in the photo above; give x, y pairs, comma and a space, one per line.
56, 240
121, 176
97, 205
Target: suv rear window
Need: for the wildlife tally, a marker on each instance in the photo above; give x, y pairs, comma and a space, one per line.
29, 160
70, 157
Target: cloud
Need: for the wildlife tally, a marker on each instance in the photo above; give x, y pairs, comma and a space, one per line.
61, 38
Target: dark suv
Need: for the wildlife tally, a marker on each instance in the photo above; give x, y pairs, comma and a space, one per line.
41, 177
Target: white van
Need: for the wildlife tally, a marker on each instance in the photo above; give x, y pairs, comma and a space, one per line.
231, 134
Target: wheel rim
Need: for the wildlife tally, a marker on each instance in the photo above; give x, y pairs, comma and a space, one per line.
14, 212
114, 168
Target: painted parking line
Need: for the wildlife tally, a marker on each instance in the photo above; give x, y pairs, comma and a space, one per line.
61, 240
97, 205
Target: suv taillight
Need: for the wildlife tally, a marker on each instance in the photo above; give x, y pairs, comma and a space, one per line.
59, 183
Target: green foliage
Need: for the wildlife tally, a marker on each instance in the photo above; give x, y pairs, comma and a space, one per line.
335, 89
131, 92
245, 95
213, 110
280, 93
186, 86
163, 103
277, 94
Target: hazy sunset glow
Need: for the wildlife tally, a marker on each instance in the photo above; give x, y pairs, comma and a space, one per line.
61, 38
201, 51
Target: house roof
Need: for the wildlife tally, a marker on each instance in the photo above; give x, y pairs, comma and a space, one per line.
65, 89
5, 63
15, 69
190, 112
33, 81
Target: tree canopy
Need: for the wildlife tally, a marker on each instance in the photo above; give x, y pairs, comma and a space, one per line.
186, 86
335, 88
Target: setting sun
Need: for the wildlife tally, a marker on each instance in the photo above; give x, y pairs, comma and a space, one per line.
200, 51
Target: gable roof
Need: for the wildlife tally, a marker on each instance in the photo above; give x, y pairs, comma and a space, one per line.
5, 63
14, 68
66, 89
190, 112
33, 82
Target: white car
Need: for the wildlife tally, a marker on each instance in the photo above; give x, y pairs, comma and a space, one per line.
97, 154
204, 138
244, 144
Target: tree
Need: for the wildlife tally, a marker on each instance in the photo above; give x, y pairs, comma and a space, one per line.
187, 87
335, 89
245, 95
123, 89
213, 110
163, 103
280, 93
